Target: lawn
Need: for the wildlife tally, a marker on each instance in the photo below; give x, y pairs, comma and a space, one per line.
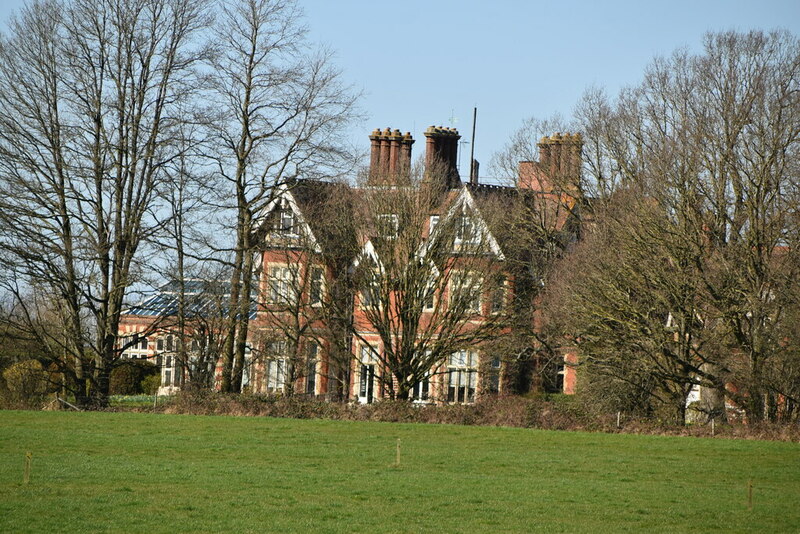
128, 472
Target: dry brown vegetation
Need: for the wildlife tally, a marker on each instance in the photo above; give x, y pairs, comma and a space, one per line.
546, 412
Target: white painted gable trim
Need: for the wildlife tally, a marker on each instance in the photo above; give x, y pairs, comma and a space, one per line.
368, 251
465, 198
285, 193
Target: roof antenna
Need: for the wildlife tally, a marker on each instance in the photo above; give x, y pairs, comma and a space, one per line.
473, 168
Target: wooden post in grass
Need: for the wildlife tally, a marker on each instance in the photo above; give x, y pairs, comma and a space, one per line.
712, 427
618, 416
397, 459
26, 473
750, 494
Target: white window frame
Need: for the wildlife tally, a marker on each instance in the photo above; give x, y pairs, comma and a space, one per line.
170, 371
467, 281
247, 367
499, 290
312, 364
370, 294
275, 375
421, 393
137, 346
280, 284
462, 376
367, 360
429, 300
285, 223
317, 282
275, 366
467, 230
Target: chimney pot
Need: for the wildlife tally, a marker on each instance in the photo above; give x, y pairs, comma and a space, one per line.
441, 147
390, 156
559, 162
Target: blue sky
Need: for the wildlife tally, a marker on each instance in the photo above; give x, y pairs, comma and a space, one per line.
424, 62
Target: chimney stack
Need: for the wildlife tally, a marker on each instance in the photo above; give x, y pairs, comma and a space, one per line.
441, 155
560, 157
473, 172
390, 157
559, 164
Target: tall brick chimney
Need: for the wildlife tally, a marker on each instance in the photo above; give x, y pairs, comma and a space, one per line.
559, 164
390, 157
441, 155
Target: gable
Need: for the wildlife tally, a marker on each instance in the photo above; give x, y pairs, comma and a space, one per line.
283, 222
367, 253
471, 225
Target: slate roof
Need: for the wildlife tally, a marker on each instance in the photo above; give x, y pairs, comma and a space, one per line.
558, 213
330, 210
327, 209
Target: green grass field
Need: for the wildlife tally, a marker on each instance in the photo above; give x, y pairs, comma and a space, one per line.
127, 472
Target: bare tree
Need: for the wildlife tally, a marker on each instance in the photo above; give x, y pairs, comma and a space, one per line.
89, 92
276, 107
543, 219
523, 146
304, 304
188, 265
190, 327
631, 297
429, 280
711, 141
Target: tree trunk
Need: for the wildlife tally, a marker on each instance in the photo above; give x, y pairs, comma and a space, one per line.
243, 312
228, 350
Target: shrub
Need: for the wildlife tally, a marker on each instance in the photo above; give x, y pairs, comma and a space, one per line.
127, 378
552, 412
26, 385
151, 383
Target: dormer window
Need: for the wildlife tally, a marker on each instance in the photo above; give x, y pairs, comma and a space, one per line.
466, 231
285, 223
367, 280
429, 298
370, 295
370, 290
